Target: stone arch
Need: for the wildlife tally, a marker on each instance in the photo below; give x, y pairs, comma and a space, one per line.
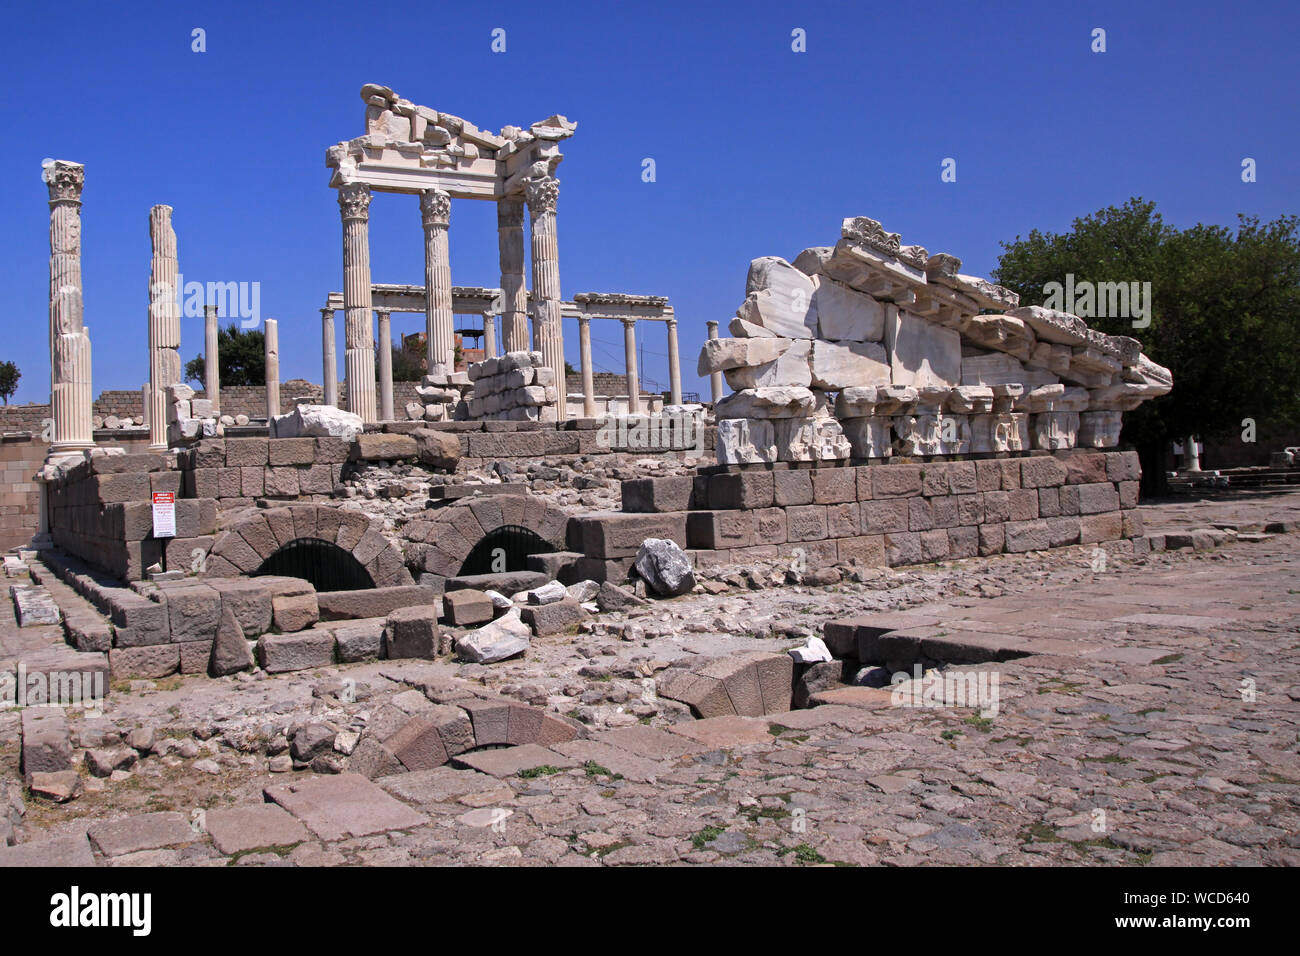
260, 533
441, 542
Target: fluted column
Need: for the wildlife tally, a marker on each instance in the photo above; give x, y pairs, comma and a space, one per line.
439, 322
584, 360
514, 293
211, 360
548, 332
359, 328
146, 402
271, 339
329, 358
164, 321
490, 335
715, 379
70, 401
633, 380
385, 367
674, 366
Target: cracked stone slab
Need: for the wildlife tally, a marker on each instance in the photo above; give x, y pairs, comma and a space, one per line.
343, 805
508, 761
144, 831
240, 829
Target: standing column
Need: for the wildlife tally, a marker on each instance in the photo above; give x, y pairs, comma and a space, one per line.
146, 402
439, 322
359, 328
211, 360
490, 335
70, 401
674, 366
329, 358
514, 294
385, 367
271, 338
584, 360
715, 379
548, 332
633, 380
164, 322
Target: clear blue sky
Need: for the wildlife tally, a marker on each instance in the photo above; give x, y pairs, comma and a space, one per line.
759, 150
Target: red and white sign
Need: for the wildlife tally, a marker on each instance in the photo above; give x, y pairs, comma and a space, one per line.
164, 514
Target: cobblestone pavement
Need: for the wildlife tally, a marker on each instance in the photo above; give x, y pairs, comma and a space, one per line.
1156, 723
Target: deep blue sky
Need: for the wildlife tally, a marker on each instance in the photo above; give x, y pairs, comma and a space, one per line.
759, 150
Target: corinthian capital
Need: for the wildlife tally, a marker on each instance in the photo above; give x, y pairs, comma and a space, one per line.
64, 180
435, 208
354, 201
542, 194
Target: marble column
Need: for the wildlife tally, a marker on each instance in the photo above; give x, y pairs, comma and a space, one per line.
633, 380
490, 335
70, 397
359, 327
385, 367
271, 339
715, 379
146, 402
211, 359
439, 322
329, 358
584, 359
674, 366
514, 294
164, 321
548, 331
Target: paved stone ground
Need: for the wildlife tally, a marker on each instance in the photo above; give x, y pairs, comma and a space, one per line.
1131, 739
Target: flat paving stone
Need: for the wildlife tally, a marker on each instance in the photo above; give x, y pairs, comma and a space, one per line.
145, 831
437, 785
650, 742
59, 852
240, 829
615, 759
335, 807
722, 732
508, 761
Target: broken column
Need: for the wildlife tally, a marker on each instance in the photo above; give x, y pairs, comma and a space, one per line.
439, 322
70, 396
211, 360
359, 330
715, 377
385, 367
548, 333
514, 292
271, 340
329, 358
164, 322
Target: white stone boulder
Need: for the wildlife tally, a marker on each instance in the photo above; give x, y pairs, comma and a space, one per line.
317, 421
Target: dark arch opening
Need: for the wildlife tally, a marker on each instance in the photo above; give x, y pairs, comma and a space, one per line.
327, 566
505, 549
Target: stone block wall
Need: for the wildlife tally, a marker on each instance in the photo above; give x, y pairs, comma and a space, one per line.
892, 514
238, 471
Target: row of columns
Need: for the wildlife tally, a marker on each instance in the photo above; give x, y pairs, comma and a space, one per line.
540, 196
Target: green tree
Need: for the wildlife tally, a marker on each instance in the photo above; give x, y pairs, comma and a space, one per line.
242, 355
408, 359
9, 376
1225, 315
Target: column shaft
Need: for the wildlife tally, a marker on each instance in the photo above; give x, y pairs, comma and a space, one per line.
359, 327
490, 335
70, 390
272, 342
211, 359
385, 367
164, 321
674, 366
548, 331
329, 358
584, 359
439, 321
514, 294
633, 379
